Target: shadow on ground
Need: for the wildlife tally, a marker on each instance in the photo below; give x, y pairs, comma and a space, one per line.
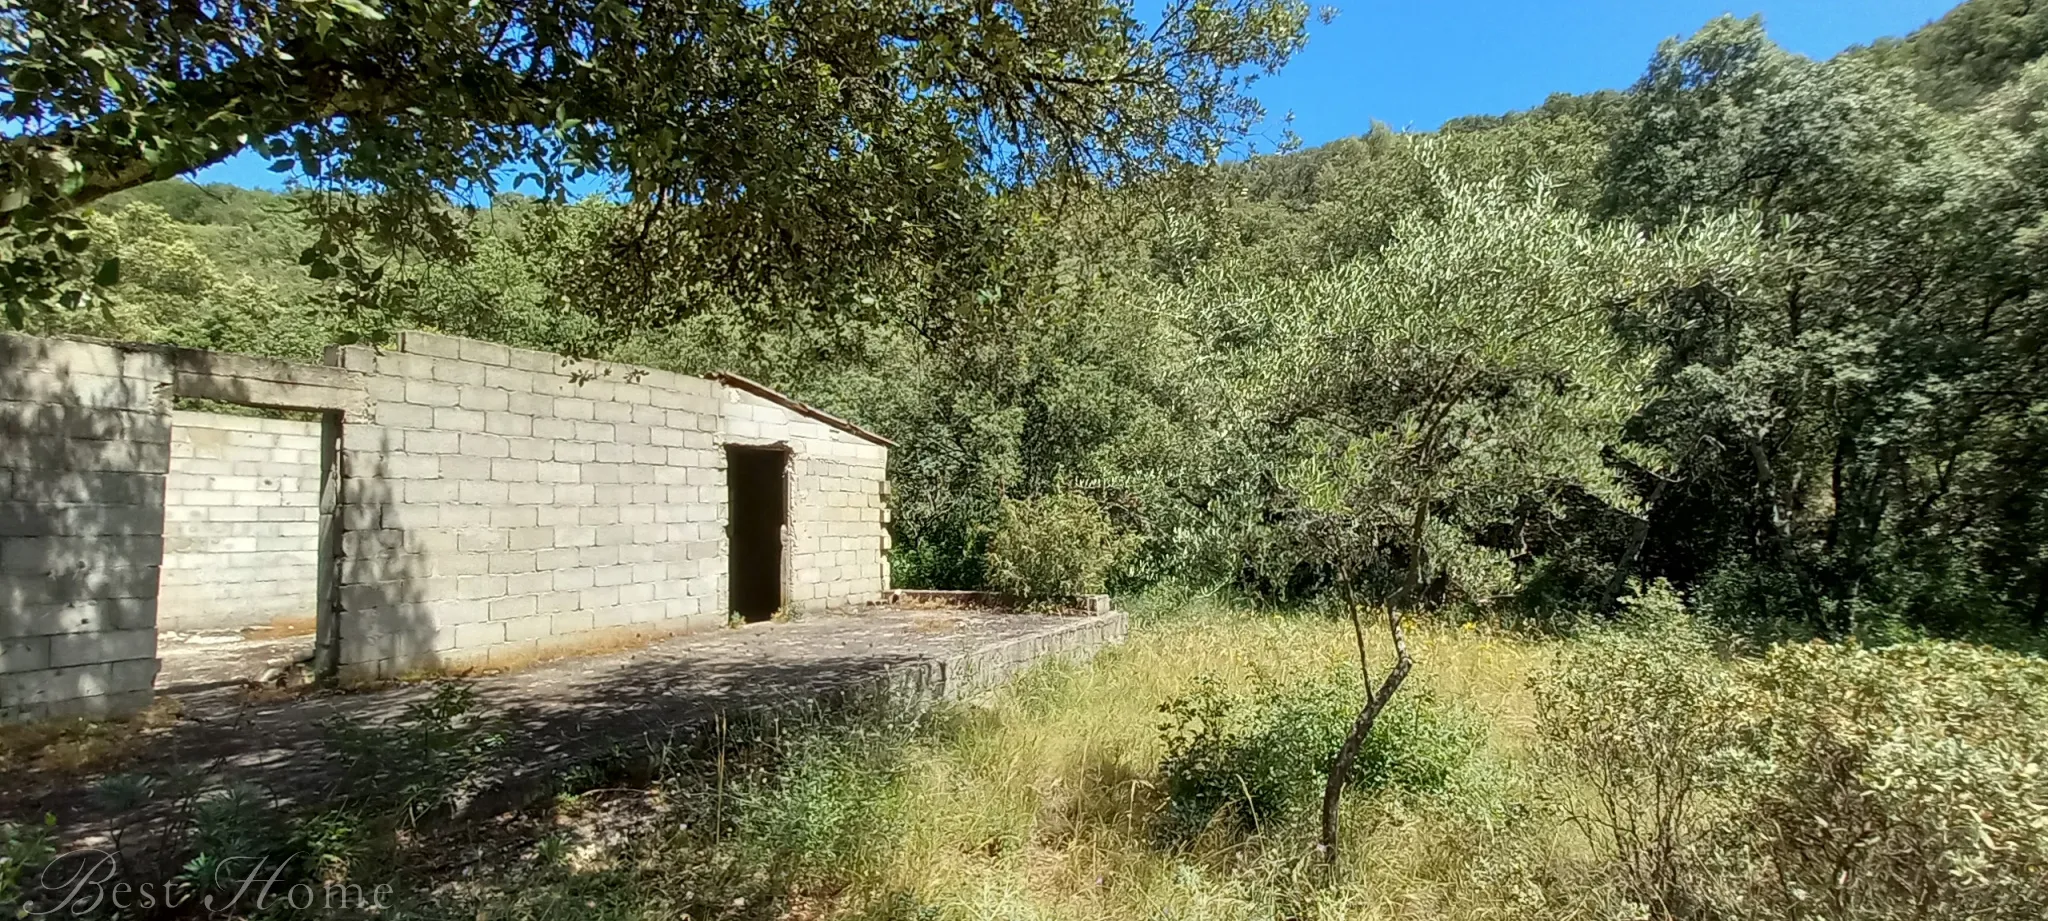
557, 713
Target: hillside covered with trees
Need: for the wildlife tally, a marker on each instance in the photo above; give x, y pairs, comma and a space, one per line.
1766, 327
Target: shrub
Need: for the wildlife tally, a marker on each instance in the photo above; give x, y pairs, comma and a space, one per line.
1816, 782
785, 799
1051, 547
1262, 757
1638, 714
1905, 781
448, 746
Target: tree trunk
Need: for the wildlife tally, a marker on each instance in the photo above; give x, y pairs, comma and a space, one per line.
1638, 534
1361, 729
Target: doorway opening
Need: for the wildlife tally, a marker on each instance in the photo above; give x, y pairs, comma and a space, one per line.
757, 500
245, 586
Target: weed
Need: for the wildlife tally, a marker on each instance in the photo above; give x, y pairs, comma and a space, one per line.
1261, 756
446, 748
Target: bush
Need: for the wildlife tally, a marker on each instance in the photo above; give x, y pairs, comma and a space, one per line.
1818, 781
1051, 547
1262, 757
1905, 781
1638, 714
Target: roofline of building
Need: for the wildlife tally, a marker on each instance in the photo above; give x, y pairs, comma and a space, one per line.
805, 409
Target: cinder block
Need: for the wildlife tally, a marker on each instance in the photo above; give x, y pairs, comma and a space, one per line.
554, 602
449, 419
483, 492
489, 353
515, 516
24, 654
508, 562
510, 379
533, 449
53, 686
533, 405
530, 583
479, 634
479, 444
429, 393
433, 442
417, 342
112, 646
636, 593
512, 607
508, 423
486, 399
576, 536
458, 371
569, 623
537, 362
26, 519
513, 470
459, 516
561, 429
431, 491
25, 557
529, 628
481, 588
531, 539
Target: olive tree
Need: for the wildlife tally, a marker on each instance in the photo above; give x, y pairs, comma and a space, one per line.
1420, 398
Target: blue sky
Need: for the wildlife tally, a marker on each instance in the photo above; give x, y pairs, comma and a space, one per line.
1415, 64
1418, 63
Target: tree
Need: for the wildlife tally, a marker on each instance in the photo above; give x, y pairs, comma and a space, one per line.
774, 138
1414, 401
1852, 412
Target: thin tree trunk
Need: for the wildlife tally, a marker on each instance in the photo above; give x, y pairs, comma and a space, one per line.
1638, 534
1361, 729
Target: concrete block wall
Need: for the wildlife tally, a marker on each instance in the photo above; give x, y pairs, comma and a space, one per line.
837, 538
84, 448
494, 505
502, 503
241, 522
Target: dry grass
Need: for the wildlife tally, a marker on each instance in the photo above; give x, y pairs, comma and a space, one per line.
1043, 800
1043, 804
72, 748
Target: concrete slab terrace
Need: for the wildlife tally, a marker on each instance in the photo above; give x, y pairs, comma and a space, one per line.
564, 711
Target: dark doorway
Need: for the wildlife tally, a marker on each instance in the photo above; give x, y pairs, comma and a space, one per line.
755, 495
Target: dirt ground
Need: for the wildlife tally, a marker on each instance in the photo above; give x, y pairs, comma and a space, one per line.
208, 660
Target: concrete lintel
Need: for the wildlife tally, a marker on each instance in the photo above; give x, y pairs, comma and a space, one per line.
266, 382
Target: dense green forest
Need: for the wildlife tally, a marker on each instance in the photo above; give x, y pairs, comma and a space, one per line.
1764, 327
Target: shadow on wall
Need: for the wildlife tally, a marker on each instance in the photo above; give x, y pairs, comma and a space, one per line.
86, 435
387, 565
